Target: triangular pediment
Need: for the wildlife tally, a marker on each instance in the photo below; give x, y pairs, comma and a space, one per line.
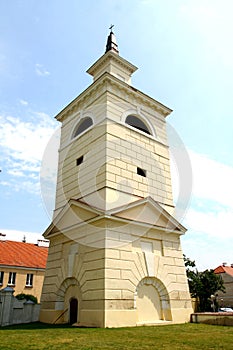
148, 211
145, 211
75, 212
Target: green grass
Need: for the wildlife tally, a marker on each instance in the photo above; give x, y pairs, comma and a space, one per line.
39, 336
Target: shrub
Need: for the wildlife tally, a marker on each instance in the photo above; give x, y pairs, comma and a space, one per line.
30, 297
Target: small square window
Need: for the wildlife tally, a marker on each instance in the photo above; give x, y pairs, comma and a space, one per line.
1, 277
79, 160
141, 172
12, 277
29, 280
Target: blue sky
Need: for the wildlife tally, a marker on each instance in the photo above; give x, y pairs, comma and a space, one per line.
184, 53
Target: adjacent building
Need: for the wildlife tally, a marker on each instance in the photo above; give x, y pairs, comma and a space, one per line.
226, 272
115, 257
22, 266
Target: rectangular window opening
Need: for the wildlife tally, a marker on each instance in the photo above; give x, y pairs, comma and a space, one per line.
141, 172
29, 280
79, 160
1, 277
12, 277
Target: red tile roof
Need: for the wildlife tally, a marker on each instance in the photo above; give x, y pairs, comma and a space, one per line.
224, 269
23, 254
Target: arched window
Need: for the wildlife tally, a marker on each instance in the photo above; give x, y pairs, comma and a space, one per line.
137, 123
84, 124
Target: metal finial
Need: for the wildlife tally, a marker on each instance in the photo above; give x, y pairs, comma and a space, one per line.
111, 42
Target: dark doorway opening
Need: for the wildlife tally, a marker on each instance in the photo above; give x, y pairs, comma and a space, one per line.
73, 311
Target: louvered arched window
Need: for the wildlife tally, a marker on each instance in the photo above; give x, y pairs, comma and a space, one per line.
137, 123
84, 124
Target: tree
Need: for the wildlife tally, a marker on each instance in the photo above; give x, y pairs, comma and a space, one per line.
203, 285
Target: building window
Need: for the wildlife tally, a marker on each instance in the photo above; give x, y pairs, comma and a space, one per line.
141, 172
29, 280
12, 277
1, 277
79, 160
137, 123
83, 125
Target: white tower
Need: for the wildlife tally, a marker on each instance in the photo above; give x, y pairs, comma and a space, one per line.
115, 257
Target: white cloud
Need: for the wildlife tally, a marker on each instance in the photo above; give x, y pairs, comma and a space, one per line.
203, 12
210, 216
212, 20
212, 223
17, 185
207, 253
15, 172
23, 102
26, 141
211, 211
23, 144
48, 172
41, 70
212, 180
15, 235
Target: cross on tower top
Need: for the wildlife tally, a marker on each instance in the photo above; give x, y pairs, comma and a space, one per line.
111, 42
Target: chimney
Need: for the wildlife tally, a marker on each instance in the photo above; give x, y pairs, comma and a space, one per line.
231, 265
42, 243
224, 264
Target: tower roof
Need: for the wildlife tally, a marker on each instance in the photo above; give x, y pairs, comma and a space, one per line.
112, 62
111, 42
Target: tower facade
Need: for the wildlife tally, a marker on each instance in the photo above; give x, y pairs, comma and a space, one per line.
115, 257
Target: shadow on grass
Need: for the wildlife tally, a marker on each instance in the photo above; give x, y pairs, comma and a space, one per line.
35, 325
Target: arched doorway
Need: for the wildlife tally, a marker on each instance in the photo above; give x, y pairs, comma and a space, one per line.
73, 311
148, 304
69, 289
152, 301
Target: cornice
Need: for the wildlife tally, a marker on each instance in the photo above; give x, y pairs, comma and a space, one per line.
111, 56
106, 217
19, 267
105, 81
77, 103
141, 97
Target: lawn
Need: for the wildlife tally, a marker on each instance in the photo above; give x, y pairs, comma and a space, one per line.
170, 337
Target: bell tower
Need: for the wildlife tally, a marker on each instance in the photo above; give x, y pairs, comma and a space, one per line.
115, 254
